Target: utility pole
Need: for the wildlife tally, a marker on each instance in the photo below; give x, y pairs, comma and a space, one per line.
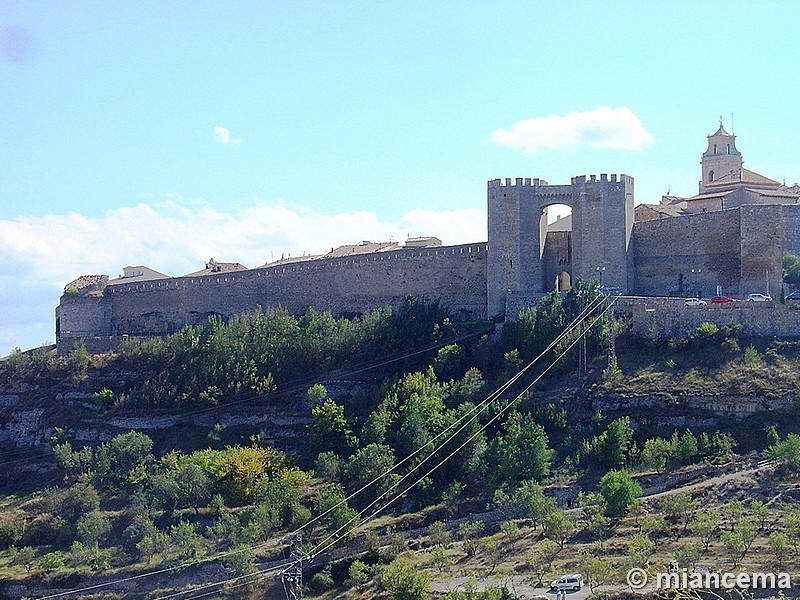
292, 576
612, 344
582, 337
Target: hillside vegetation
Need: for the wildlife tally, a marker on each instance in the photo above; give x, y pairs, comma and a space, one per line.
424, 438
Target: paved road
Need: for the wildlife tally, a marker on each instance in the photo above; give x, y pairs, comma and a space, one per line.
520, 585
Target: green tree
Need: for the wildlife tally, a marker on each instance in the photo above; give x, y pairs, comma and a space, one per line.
686, 448
597, 571
359, 573
639, 550
704, 525
679, 508
787, 452
192, 485
328, 466
614, 443
185, 539
655, 454
448, 363
761, 513
619, 491
688, 553
241, 565
92, 527
778, 543
328, 431
738, 540
331, 501
317, 394
511, 533
367, 465
404, 581
493, 552
791, 268
25, 556
151, 544
470, 534
522, 451
438, 534
734, 545
124, 460
51, 561
772, 436
791, 524
559, 527
531, 503
540, 560
440, 558
593, 511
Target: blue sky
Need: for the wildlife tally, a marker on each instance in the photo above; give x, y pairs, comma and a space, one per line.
167, 133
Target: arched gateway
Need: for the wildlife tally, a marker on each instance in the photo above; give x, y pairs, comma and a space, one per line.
522, 255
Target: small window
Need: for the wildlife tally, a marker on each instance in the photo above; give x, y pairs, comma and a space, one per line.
710, 176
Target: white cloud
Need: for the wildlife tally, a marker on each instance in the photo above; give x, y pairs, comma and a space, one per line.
223, 135
40, 255
617, 128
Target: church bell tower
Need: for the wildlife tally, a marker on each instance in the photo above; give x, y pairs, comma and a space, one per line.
720, 160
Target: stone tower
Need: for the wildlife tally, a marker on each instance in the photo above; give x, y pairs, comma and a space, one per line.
602, 223
720, 159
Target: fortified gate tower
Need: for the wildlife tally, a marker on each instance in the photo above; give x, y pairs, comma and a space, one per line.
597, 247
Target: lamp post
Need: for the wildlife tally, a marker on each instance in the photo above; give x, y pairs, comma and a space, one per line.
695, 273
600, 274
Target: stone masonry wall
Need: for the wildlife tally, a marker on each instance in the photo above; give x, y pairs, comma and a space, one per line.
83, 316
667, 250
791, 228
668, 317
556, 258
762, 240
454, 275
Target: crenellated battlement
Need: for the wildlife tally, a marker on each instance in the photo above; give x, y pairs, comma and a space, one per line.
581, 180
603, 179
518, 182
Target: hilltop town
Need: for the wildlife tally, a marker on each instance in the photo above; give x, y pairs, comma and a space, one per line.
728, 239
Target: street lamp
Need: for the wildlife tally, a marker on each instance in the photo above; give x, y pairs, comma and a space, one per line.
695, 273
600, 274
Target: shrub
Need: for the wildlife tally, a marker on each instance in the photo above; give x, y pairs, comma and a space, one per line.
619, 491
322, 581
404, 581
750, 357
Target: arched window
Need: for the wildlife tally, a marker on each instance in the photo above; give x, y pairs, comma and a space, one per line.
710, 176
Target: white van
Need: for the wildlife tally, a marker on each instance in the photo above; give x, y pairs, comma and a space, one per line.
568, 582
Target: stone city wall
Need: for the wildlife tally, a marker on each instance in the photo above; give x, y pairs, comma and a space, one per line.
791, 228
453, 275
668, 317
687, 255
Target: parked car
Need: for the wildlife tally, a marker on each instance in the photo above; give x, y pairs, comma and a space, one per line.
759, 298
568, 582
794, 296
694, 302
721, 300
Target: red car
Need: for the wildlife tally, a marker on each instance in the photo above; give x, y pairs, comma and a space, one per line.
721, 300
